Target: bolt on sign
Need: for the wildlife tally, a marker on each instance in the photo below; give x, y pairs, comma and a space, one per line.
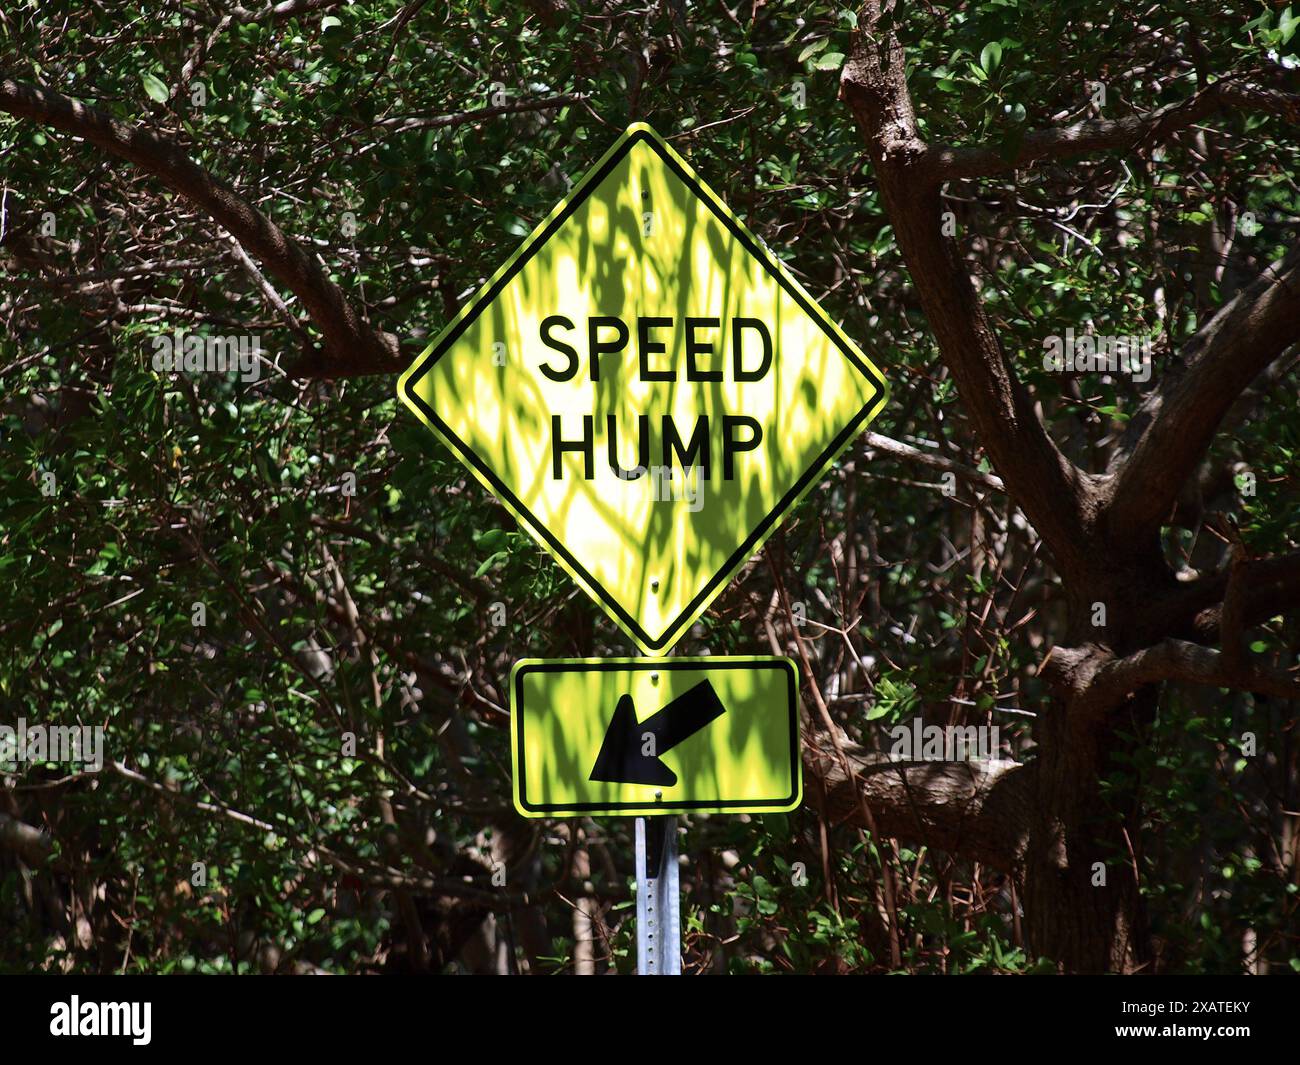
646, 387
639, 736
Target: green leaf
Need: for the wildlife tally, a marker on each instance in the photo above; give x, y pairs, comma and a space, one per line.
1286, 24
490, 561
991, 57
814, 48
154, 87
830, 61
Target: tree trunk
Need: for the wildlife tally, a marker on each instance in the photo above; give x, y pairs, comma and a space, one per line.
1082, 906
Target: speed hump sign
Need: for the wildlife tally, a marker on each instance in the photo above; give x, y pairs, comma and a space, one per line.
646, 387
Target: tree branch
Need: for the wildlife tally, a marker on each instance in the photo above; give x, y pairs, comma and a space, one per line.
1232, 617
1268, 587
1099, 682
909, 453
30, 843
405, 123
976, 810
1054, 494
1173, 428
1133, 131
372, 871
350, 345
284, 9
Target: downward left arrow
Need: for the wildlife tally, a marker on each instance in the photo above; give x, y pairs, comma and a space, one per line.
623, 758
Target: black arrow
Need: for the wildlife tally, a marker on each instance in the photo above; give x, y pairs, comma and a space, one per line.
621, 759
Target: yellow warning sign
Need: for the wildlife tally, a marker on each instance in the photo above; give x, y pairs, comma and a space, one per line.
646, 387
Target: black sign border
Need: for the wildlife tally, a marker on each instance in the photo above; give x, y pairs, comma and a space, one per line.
641, 665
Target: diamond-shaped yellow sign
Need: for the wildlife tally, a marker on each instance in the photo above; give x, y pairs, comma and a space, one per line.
646, 387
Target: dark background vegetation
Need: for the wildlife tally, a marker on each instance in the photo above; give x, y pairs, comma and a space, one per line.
327, 613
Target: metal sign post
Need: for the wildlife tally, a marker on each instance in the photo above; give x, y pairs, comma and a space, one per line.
658, 898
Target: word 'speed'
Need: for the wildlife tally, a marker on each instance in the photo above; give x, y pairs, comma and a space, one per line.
609, 335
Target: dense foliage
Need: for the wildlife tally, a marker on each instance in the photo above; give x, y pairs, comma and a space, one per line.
348, 568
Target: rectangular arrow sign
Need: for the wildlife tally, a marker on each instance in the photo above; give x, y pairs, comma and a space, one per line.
638, 736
